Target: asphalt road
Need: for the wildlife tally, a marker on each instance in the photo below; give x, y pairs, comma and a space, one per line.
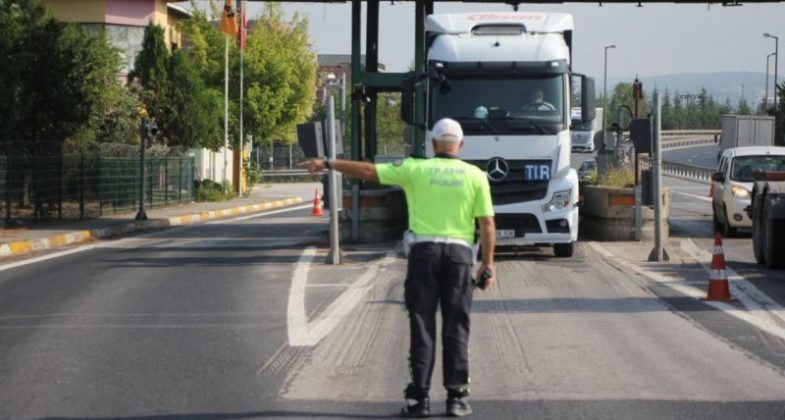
705, 156
240, 319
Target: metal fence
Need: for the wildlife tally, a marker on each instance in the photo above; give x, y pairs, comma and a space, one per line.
698, 173
73, 187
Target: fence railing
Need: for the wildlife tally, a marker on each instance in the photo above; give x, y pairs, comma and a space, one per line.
700, 173
73, 187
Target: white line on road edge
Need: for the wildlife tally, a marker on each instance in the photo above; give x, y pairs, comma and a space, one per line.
267, 213
299, 331
699, 197
114, 243
46, 257
760, 310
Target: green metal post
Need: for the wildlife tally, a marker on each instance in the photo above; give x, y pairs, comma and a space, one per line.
180, 180
419, 66
166, 181
356, 70
371, 67
81, 186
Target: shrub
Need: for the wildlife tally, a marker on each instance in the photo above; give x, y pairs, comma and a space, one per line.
208, 190
619, 177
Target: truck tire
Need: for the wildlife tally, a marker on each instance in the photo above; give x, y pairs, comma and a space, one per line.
728, 231
757, 229
564, 250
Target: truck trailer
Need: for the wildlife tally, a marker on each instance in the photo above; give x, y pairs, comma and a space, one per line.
746, 130
507, 78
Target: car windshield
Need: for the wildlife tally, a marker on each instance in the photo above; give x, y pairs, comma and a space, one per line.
744, 167
502, 106
579, 125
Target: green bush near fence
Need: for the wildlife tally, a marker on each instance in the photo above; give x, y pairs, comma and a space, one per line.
208, 190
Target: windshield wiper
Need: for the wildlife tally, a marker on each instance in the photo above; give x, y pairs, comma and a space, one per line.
484, 122
535, 124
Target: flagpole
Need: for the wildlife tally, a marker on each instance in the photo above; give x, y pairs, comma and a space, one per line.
226, 110
242, 139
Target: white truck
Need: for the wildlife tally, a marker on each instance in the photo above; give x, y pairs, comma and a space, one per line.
507, 78
746, 130
584, 133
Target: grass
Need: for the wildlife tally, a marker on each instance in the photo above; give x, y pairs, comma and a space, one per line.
618, 177
208, 190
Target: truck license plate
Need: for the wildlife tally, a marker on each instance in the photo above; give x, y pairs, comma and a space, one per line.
505, 233
536, 172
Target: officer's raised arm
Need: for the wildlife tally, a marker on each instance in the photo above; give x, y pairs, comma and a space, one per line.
362, 170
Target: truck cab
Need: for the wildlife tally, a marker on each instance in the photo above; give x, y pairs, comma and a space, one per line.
585, 132
506, 77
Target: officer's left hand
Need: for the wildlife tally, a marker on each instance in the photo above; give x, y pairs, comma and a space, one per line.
492, 268
313, 165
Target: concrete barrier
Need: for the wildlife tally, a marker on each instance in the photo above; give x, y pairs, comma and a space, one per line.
608, 214
383, 215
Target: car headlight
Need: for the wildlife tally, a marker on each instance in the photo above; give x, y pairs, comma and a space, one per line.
560, 200
740, 192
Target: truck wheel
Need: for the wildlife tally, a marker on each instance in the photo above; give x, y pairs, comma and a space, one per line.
757, 230
728, 231
564, 250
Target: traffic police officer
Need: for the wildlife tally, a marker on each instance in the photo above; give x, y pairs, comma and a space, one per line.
445, 197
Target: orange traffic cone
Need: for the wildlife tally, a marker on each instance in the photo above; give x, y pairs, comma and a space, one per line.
317, 204
718, 279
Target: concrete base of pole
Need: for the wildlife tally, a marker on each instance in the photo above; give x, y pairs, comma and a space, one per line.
653, 255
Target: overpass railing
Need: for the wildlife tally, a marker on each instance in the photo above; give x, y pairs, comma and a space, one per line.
699, 173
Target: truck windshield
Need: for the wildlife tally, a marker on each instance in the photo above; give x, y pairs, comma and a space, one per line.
744, 167
502, 106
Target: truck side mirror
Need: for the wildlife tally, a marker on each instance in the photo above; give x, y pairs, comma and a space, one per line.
407, 100
588, 100
718, 177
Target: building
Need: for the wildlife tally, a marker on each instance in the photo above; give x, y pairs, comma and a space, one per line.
124, 21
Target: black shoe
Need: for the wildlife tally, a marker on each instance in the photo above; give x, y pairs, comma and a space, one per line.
458, 407
416, 408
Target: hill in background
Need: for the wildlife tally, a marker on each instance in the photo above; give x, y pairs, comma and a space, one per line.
720, 85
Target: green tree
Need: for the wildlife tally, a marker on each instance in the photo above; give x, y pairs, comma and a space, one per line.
151, 73
280, 76
195, 114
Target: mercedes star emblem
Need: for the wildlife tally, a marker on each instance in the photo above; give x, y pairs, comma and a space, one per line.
497, 169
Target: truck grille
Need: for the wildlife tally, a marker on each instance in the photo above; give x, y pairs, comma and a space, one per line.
513, 189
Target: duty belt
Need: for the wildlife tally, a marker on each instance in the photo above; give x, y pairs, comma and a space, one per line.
440, 240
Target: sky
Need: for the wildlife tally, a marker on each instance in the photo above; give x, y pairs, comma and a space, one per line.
655, 39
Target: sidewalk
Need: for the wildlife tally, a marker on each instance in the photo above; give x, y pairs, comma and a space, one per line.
27, 239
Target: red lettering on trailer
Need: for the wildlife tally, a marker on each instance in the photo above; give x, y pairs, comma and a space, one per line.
497, 16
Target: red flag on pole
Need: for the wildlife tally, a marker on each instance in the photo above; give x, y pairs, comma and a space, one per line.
243, 35
228, 21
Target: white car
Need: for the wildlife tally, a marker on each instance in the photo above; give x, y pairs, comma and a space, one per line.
733, 182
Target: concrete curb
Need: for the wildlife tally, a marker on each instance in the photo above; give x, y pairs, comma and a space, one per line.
21, 247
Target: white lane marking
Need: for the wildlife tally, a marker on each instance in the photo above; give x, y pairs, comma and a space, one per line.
695, 196
303, 333
116, 242
759, 310
267, 213
296, 319
46, 257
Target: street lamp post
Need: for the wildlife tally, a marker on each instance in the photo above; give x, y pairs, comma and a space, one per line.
776, 59
766, 94
605, 95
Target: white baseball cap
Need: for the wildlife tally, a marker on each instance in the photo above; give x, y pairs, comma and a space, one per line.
447, 130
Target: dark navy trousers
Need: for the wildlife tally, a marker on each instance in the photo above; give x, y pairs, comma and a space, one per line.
439, 274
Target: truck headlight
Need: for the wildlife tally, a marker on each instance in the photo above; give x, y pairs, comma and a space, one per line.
559, 201
740, 192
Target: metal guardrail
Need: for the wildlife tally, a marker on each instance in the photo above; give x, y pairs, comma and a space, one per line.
673, 143
700, 173
689, 133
